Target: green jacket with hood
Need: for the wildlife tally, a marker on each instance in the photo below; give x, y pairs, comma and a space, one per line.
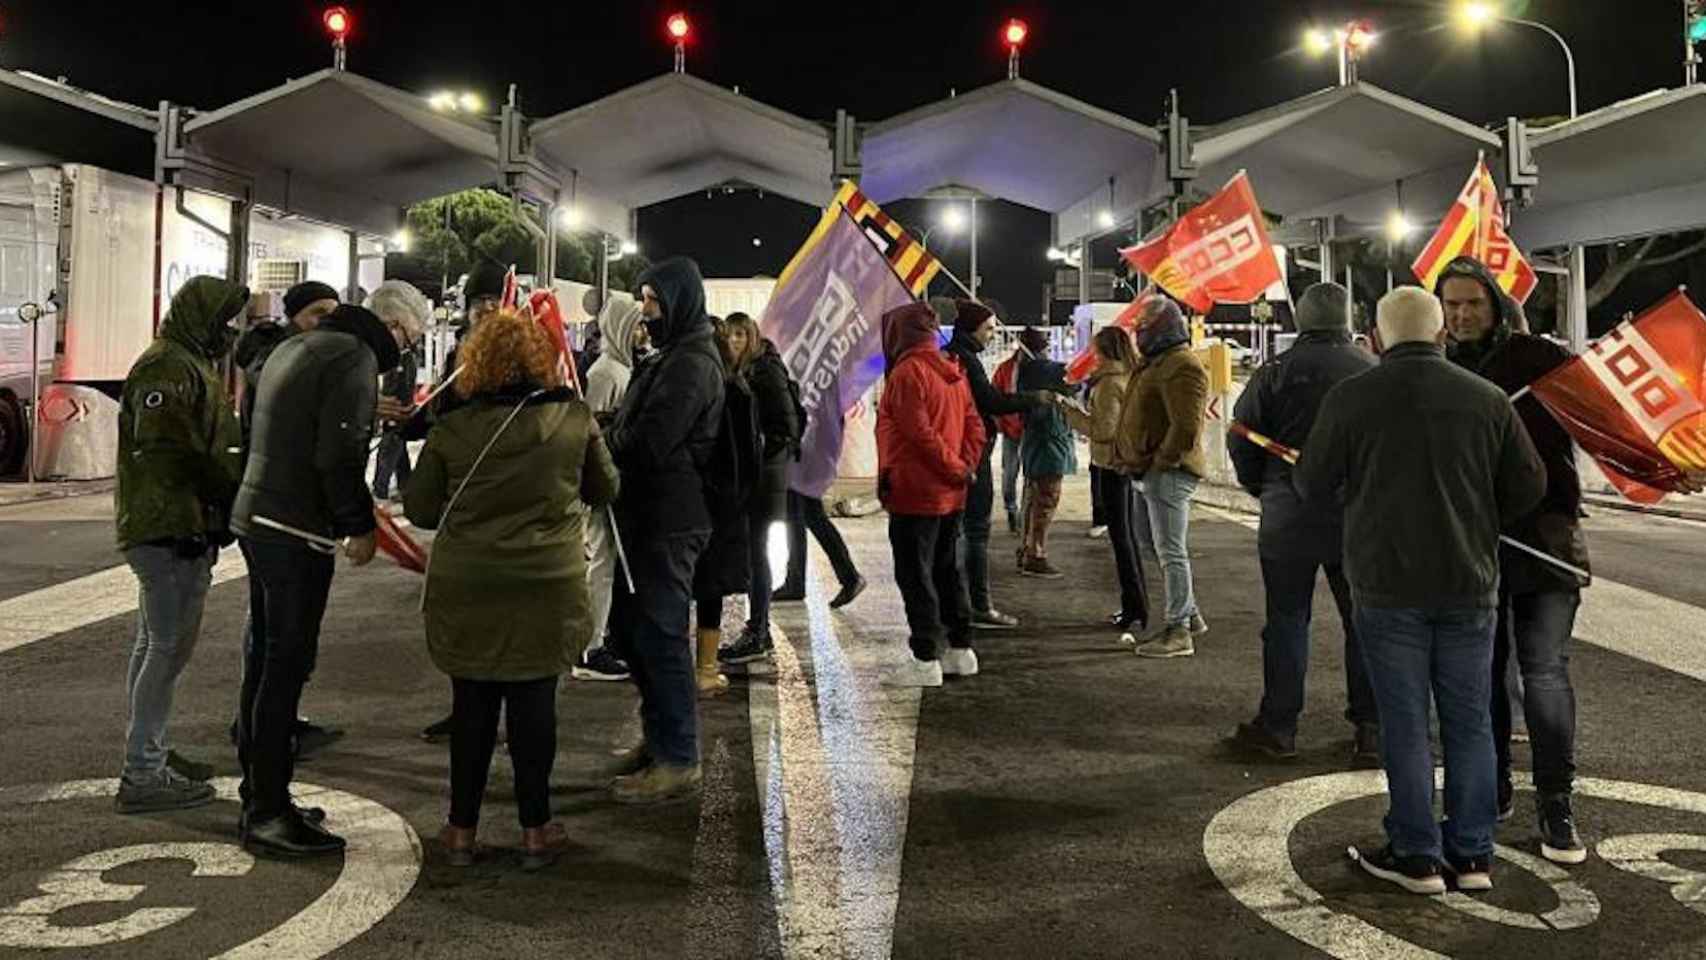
179, 447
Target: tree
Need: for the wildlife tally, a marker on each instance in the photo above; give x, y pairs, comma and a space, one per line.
1623, 260
452, 233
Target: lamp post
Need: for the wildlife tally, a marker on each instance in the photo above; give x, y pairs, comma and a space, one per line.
679, 30
1014, 33
1474, 16
338, 23
1351, 42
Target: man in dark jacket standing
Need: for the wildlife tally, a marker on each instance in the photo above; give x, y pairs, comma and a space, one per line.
1537, 599
178, 455
974, 328
1296, 538
1432, 463
662, 440
303, 488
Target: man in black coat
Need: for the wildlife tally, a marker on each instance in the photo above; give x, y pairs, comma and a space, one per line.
1297, 538
662, 440
974, 328
303, 487
1537, 600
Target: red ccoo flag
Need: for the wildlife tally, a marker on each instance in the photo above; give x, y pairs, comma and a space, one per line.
1086, 362
1217, 253
1635, 400
396, 544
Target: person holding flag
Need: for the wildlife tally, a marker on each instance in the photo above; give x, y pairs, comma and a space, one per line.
1537, 600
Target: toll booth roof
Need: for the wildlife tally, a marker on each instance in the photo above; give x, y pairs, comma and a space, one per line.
49, 121
677, 134
1633, 168
1320, 154
345, 149
1014, 140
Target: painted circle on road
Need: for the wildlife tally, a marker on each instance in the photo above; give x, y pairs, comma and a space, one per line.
1247, 847
381, 864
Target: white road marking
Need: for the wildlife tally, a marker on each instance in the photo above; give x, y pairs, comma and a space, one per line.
381, 863
1247, 845
63, 607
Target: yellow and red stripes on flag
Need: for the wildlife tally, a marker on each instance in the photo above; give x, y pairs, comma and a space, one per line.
1475, 227
913, 264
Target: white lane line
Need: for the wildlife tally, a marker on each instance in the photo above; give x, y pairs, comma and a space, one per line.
67, 606
1636, 623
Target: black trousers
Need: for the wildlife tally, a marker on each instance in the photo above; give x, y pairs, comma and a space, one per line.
929, 581
288, 586
1099, 478
531, 707
808, 513
1117, 500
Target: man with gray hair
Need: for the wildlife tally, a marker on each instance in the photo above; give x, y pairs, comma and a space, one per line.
1431, 462
398, 302
1297, 539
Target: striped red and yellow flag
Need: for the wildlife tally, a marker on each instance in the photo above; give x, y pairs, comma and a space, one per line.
913, 264
1475, 227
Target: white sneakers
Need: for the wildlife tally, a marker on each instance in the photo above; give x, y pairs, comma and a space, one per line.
959, 662
1097, 533
913, 672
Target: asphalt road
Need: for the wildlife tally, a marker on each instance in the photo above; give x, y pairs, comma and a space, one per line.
1071, 801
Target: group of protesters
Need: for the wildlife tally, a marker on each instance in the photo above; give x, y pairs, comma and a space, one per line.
598, 527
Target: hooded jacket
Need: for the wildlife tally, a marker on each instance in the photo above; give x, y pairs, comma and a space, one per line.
991, 403
1102, 423
667, 423
607, 379
1161, 422
1046, 448
1282, 401
929, 435
1513, 360
179, 446
313, 419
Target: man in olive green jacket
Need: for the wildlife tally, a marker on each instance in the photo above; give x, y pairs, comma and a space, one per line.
178, 456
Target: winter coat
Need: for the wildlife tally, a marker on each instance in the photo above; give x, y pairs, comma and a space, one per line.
314, 415
607, 379
929, 435
1046, 449
1430, 462
1281, 401
667, 424
253, 348
1102, 423
1161, 421
725, 566
179, 446
506, 591
1512, 361
991, 402
1006, 379
399, 384
779, 422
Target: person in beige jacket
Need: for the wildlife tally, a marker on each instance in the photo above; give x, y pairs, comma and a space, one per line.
1116, 358
1160, 441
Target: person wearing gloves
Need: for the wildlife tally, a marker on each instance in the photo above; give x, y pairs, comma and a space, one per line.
304, 486
1160, 440
929, 441
620, 323
178, 465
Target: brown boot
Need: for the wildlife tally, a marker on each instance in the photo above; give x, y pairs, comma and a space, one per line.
540, 846
710, 682
657, 783
460, 849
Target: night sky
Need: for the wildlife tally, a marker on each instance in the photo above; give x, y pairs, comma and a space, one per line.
874, 58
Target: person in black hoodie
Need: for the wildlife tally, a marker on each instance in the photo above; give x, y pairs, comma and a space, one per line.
1297, 539
974, 328
1537, 600
662, 440
304, 479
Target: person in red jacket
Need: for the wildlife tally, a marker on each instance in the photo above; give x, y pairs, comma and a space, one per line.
929, 444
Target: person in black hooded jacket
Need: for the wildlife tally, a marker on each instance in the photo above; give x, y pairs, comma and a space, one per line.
1537, 599
305, 477
662, 440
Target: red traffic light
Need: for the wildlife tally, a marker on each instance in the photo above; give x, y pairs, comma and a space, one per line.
1016, 32
678, 26
338, 22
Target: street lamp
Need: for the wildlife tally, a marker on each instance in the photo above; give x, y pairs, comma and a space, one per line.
1352, 41
953, 220
454, 101
570, 218
1105, 219
679, 31
401, 240
1398, 227
1476, 16
338, 23
1014, 33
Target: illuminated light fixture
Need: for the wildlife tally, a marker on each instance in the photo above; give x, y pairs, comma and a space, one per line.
443, 101
1105, 219
629, 248
1474, 16
471, 103
1360, 37
678, 27
757, 242
400, 241
570, 218
338, 23
1318, 42
1056, 254
1398, 226
953, 220
1016, 32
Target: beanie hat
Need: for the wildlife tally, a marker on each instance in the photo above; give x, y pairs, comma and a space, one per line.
1322, 307
969, 315
1034, 340
297, 298
485, 280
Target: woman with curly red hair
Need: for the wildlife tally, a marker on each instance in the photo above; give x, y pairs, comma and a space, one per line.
508, 480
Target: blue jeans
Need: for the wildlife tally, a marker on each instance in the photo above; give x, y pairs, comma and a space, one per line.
971, 543
648, 632
1167, 494
1448, 654
168, 623
1010, 464
1289, 584
1538, 625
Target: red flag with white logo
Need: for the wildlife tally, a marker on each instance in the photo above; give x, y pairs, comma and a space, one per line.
1635, 400
1217, 253
1087, 360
